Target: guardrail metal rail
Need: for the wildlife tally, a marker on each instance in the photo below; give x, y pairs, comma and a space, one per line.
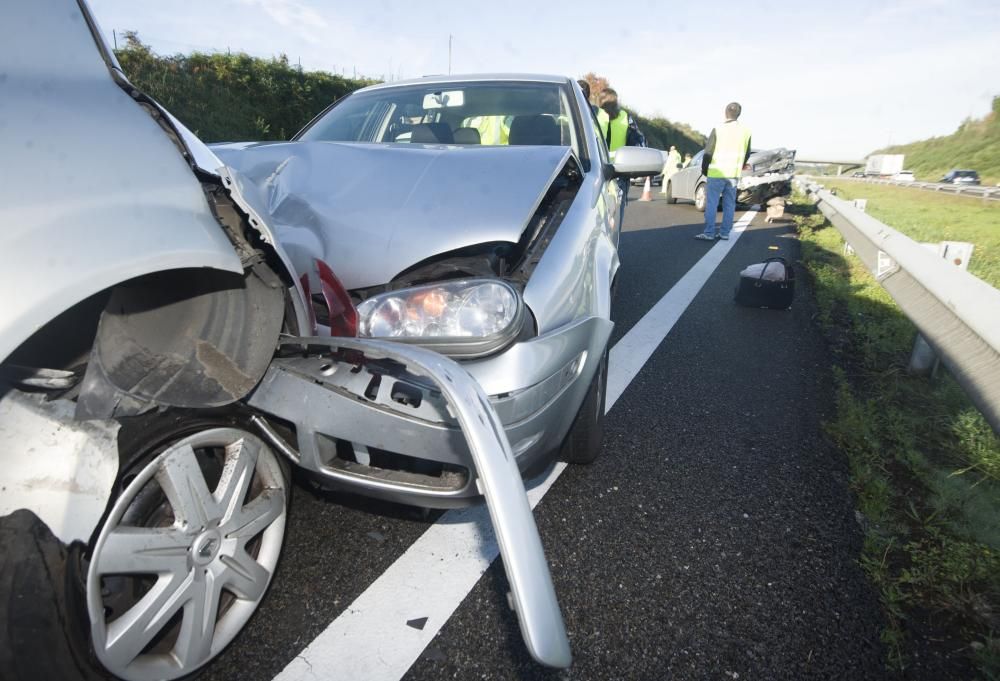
975, 191
957, 313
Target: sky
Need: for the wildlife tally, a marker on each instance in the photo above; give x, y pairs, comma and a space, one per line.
834, 80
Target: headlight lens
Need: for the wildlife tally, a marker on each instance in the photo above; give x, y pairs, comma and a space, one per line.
475, 314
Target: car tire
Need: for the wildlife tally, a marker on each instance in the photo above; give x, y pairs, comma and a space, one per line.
699, 197
85, 590
670, 193
586, 437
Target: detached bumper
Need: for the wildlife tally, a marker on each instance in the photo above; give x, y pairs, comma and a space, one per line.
372, 426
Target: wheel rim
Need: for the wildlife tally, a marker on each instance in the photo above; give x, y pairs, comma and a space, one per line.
190, 585
699, 197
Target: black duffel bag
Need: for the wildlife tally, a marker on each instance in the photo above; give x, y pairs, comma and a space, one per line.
768, 284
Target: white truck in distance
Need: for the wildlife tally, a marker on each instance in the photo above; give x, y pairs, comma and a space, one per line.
884, 165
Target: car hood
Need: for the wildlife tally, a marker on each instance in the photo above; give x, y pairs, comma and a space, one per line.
371, 211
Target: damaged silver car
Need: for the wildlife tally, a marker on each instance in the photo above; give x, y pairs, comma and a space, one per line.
475, 216
769, 175
165, 357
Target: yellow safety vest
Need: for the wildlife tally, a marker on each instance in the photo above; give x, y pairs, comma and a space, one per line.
619, 129
731, 141
492, 129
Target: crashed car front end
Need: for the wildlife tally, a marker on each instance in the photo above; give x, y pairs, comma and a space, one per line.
147, 306
441, 226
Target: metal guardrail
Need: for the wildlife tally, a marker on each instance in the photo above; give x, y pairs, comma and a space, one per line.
975, 191
957, 313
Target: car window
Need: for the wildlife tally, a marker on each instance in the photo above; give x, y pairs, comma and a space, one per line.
696, 161
489, 114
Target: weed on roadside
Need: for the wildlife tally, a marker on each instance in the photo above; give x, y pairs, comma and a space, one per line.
924, 466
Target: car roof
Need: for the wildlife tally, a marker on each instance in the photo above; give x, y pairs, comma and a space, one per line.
472, 78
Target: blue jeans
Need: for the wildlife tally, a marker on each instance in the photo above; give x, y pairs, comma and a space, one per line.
716, 187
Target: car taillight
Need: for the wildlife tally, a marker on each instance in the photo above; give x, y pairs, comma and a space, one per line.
343, 315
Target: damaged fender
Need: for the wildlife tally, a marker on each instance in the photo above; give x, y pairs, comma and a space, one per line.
493, 464
60, 469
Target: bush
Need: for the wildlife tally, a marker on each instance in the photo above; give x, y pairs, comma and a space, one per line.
230, 97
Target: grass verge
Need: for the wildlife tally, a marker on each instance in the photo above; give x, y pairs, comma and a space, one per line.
932, 217
925, 471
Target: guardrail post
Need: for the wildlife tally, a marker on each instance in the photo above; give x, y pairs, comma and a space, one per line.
923, 359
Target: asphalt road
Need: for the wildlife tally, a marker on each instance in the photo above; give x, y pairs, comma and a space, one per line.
714, 538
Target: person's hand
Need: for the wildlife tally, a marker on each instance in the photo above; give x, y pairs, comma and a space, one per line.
746, 166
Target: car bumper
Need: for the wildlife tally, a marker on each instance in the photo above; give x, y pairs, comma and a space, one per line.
375, 429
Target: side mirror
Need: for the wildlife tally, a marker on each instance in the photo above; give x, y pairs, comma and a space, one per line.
637, 162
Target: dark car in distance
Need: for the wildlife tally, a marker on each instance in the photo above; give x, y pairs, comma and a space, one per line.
961, 177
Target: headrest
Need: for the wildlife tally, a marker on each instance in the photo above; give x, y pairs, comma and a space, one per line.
467, 136
432, 133
534, 129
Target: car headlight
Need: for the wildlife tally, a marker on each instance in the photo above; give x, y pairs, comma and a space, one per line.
462, 318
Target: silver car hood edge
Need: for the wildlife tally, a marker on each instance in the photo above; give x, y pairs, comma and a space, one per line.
371, 211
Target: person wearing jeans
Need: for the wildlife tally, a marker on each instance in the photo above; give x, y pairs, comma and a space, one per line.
726, 154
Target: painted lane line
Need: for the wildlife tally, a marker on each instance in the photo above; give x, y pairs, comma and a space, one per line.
633, 350
370, 640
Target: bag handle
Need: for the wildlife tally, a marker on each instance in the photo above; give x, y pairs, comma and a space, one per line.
767, 262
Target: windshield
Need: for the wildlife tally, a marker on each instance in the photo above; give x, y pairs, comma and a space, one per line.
493, 114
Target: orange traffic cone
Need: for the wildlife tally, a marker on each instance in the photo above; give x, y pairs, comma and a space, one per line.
646, 193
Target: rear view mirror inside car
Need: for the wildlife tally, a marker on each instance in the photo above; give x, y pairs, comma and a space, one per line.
440, 100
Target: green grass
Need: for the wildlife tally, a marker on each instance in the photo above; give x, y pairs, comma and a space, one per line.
930, 216
925, 466
975, 145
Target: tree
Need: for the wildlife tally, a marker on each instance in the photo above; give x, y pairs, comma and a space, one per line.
597, 84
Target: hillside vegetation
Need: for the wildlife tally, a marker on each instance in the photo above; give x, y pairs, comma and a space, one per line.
975, 145
232, 97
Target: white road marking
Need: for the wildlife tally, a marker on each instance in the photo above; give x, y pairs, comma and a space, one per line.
370, 640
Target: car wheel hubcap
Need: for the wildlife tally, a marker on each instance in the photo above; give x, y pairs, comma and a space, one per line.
169, 588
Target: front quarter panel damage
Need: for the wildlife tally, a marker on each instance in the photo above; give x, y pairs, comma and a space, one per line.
60, 469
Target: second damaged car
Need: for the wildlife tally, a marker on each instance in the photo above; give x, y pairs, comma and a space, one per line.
475, 216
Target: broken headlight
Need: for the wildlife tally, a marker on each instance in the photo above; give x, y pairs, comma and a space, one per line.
463, 318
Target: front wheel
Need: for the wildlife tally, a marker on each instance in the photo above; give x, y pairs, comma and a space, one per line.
585, 439
670, 193
699, 197
186, 554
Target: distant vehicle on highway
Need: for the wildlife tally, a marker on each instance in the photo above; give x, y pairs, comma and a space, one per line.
904, 176
756, 186
858, 173
884, 165
961, 177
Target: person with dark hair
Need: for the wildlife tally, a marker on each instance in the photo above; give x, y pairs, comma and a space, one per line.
619, 130
585, 86
726, 154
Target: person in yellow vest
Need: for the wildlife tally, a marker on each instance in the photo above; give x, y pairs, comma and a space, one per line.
670, 167
618, 130
493, 130
726, 153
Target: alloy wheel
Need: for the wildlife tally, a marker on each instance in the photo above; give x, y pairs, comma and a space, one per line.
186, 555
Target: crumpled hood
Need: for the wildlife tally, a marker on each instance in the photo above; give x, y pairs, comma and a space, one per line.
371, 211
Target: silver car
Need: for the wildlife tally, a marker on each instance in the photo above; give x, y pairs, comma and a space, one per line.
165, 357
769, 174
473, 215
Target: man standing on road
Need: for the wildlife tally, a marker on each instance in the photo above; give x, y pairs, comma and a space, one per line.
726, 152
672, 165
619, 130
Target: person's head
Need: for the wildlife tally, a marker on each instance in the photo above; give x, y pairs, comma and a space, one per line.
733, 111
687, 157
609, 101
673, 147
585, 86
